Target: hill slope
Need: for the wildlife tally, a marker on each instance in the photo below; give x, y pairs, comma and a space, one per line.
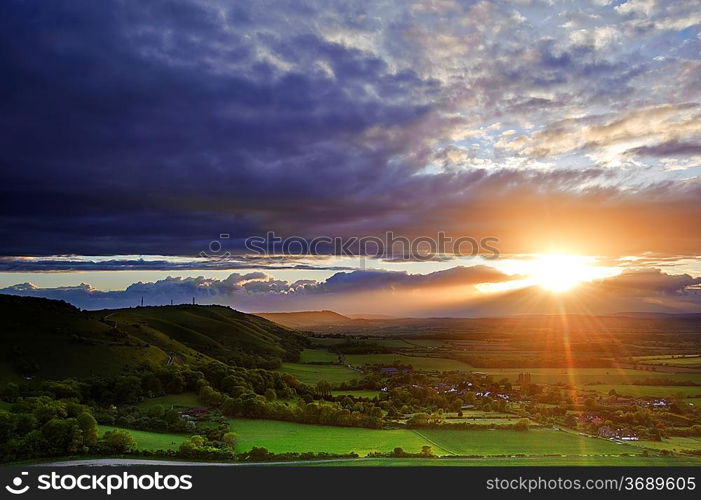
52, 339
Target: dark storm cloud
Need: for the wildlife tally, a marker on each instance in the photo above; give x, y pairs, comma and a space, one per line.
129, 129
71, 264
132, 128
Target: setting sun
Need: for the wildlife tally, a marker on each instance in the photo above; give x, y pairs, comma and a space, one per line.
559, 273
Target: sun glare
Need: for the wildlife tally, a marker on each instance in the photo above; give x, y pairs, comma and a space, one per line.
559, 273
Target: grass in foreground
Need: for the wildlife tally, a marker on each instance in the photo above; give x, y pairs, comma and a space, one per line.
281, 437
286, 436
514, 462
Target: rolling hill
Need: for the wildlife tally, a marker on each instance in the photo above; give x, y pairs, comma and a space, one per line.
52, 339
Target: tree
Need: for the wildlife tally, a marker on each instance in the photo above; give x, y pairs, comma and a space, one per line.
522, 425
230, 439
323, 387
88, 426
118, 441
426, 451
156, 411
210, 396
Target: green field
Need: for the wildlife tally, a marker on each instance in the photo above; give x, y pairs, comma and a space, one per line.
317, 356
4, 405
390, 343
579, 376
418, 363
690, 361
674, 443
184, 400
533, 442
514, 462
326, 341
357, 394
286, 436
311, 374
151, 441
647, 390
482, 421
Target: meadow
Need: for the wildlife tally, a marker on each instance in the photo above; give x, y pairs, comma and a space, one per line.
417, 362
317, 356
581, 376
674, 443
619, 461
184, 400
646, 390
280, 437
311, 374
286, 436
357, 394
688, 361
151, 441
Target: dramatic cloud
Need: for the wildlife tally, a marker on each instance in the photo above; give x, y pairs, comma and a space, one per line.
130, 129
449, 293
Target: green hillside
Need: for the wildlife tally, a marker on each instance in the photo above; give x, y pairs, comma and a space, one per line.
52, 339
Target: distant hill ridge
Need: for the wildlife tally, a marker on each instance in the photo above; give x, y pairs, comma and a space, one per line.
305, 319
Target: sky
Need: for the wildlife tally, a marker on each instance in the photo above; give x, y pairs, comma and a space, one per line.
142, 144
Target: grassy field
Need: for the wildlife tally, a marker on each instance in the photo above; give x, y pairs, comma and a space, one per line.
647, 390
426, 343
150, 441
317, 356
311, 374
533, 442
184, 400
357, 394
517, 462
4, 405
674, 443
690, 361
483, 421
287, 436
578, 376
419, 363
391, 343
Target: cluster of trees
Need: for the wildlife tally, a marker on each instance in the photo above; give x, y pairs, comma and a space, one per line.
359, 414
350, 347
200, 447
41, 427
150, 382
263, 455
426, 452
156, 418
437, 420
